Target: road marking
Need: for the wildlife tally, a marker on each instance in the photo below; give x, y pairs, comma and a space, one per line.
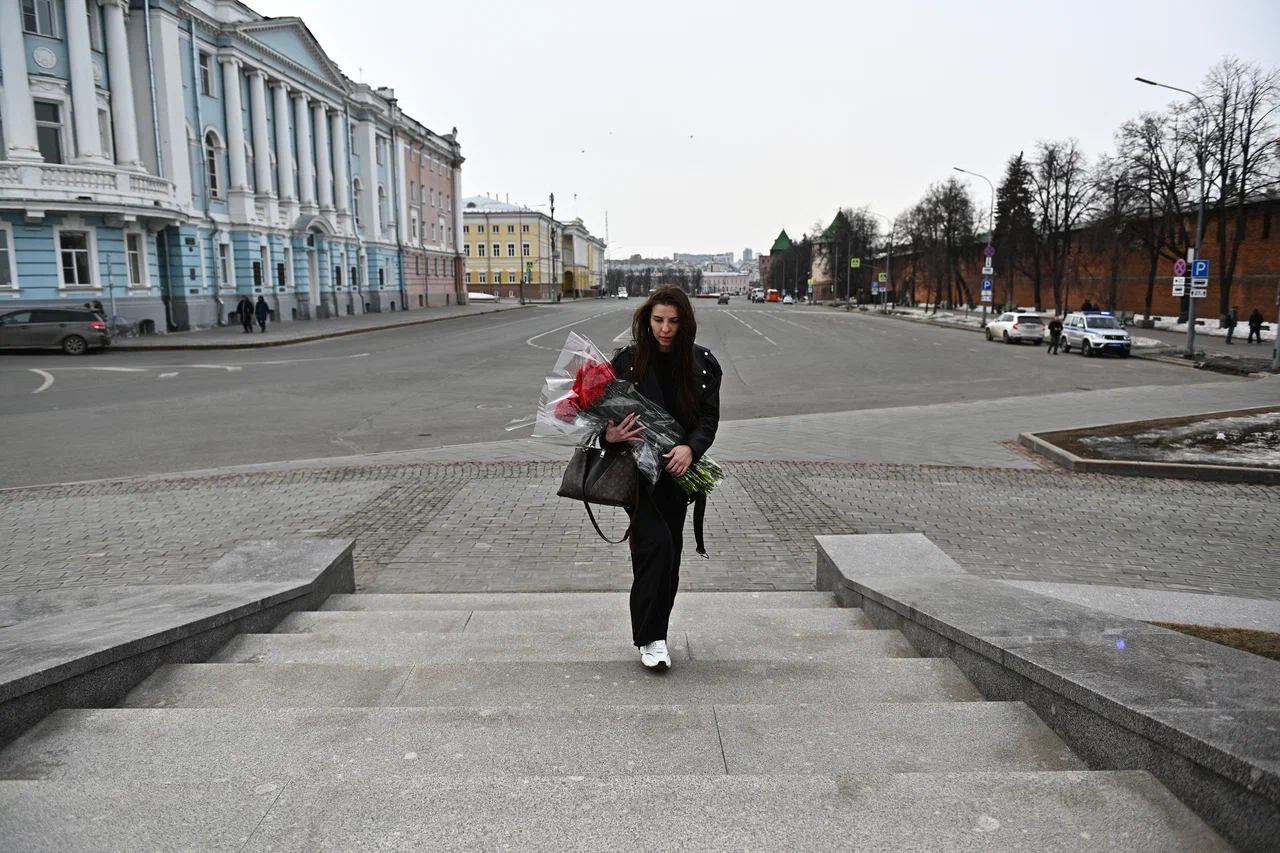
230, 368
166, 375
48, 379
108, 369
624, 337
531, 343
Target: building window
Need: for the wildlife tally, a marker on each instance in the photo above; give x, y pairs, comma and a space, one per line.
525, 249
511, 229
466, 229
212, 145
413, 223
49, 131
468, 278
382, 157
73, 248
413, 191
355, 195
417, 264
281, 283
524, 229
466, 249
38, 18
511, 278
511, 250
206, 74
136, 257
483, 278
480, 249
497, 250
104, 133
382, 208
8, 276
224, 266
433, 232
353, 139
95, 28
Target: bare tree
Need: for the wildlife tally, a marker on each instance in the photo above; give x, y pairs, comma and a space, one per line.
1061, 191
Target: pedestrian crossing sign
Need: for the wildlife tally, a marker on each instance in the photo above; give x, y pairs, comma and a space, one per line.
855, 263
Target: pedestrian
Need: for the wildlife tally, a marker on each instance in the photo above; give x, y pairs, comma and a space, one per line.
667, 368
244, 312
262, 312
1255, 326
1055, 335
1229, 321
1087, 306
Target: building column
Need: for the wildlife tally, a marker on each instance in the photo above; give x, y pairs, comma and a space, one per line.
284, 149
324, 168
337, 133
261, 140
306, 158
123, 115
84, 94
19, 109
241, 201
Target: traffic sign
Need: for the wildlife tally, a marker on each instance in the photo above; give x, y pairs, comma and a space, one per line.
986, 296
882, 277
1179, 289
1180, 267
1179, 281
855, 263
1199, 268
987, 286
811, 282
1200, 293
988, 270
990, 251
1199, 282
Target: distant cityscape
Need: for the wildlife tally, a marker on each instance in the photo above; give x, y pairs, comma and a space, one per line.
714, 272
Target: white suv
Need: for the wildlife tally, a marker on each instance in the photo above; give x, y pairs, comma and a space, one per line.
1014, 328
1094, 332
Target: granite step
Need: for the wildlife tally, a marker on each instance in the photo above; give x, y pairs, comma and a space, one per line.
256, 745
614, 601
781, 621
838, 682
1045, 812
548, 647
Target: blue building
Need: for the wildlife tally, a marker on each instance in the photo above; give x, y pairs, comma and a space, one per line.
167, 157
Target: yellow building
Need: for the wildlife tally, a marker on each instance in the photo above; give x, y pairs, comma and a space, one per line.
505, 245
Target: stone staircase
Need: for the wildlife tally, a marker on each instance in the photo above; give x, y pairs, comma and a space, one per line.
525, 722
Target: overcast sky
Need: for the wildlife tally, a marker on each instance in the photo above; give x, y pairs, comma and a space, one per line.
707, 127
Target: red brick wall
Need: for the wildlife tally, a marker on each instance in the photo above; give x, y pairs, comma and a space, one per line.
1257, 273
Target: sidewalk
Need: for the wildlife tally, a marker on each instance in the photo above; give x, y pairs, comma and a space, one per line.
301, 331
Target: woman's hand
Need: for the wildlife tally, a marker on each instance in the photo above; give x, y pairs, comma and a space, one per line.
679, 460
628, 430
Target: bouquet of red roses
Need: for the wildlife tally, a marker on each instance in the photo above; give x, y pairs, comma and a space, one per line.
583, 395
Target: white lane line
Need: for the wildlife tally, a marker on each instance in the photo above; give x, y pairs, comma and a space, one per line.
531, 343
166, 375
770, 340
623, 337
230, 368
48, 379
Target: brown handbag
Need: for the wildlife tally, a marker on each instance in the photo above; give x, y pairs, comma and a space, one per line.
602, 476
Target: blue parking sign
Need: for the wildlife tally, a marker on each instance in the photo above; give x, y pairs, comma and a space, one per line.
986, 284
1200, 269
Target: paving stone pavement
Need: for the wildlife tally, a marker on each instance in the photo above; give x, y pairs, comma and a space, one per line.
469, 527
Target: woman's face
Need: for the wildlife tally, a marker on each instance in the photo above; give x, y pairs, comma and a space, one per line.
664, 322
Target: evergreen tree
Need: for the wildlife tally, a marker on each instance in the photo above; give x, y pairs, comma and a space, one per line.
1015, 233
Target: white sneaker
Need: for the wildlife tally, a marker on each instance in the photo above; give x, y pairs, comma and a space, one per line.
655, 656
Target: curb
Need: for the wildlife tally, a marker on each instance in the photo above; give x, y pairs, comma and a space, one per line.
1167, 470
303, 340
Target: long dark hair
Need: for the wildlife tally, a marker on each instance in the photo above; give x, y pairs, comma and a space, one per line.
681, 350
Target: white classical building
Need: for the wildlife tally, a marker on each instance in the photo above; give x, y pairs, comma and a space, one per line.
167, 156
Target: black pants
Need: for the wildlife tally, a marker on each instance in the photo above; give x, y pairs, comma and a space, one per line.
263, 324
1254, 333
248, 324
1054, 340
657, 537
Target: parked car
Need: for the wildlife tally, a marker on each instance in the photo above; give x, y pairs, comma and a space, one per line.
75, 331
481, 297
723, 300
1095, 332
622, 294
787, 300
1014, 328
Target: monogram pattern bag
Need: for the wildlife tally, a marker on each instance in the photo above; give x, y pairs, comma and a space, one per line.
602, 476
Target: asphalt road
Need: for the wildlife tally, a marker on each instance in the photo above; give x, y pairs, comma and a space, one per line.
121, 414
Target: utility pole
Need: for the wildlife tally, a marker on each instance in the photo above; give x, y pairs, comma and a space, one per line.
991, 233
1194, 254
555, 284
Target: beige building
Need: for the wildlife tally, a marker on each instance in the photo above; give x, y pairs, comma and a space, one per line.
506, 245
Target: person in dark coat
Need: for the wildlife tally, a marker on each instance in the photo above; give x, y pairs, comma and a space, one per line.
684, 379
1255, 326
1229, 321
262, 312
1087, 306
244, 313
1055, 335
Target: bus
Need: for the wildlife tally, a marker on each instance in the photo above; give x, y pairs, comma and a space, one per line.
772, 295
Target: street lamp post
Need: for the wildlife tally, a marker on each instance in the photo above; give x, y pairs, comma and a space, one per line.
991, 230
888, 259
1191, 300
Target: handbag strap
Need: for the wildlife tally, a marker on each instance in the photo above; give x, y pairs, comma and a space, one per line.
592, 515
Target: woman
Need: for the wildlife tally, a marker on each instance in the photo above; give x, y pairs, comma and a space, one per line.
684, 379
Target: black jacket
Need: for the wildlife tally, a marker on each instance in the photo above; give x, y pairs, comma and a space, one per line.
262, 311
700, 430
244, 310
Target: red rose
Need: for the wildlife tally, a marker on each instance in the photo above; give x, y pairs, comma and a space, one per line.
593, 379
567, 409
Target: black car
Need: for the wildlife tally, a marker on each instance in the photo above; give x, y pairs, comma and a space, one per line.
73, 330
